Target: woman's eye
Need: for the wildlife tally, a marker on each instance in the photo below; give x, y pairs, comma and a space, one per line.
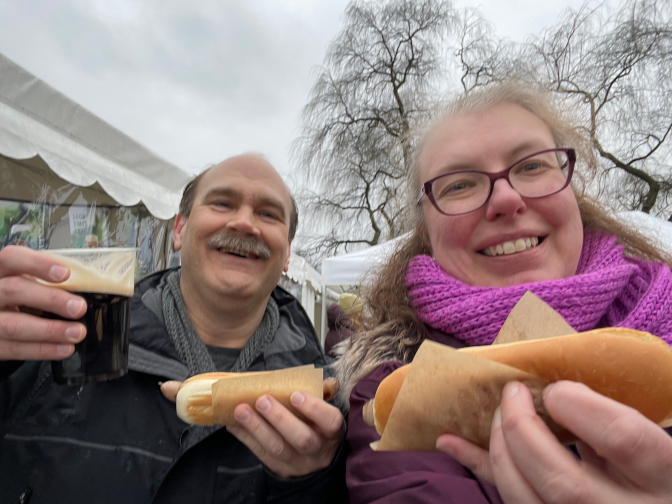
531, 167
453, 189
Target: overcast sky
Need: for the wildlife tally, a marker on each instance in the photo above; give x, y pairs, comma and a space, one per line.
198, 81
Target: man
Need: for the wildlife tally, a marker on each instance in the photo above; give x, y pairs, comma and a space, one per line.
121, 441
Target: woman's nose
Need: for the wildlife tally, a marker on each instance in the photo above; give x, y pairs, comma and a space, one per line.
504, 201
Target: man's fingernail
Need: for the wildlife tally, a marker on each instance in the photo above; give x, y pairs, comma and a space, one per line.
57, 272
297, 398
497, 419
242, 416
74, 306
74, 332
263, 404
65, 349
510, 390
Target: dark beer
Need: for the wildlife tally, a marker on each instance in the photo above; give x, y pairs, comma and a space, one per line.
103, 354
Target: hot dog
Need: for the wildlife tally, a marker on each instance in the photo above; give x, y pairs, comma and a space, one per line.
632, 367
210, 398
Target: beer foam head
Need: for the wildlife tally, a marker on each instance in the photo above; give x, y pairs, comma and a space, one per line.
100, 270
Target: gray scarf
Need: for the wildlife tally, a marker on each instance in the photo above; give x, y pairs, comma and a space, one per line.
189, 345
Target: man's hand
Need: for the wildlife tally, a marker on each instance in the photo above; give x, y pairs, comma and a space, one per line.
624, 456
288, 446
29, 337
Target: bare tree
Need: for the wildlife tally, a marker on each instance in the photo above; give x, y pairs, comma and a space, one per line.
615, 67
355, 142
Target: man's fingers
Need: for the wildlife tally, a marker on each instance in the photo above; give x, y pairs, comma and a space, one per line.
25, 351
634, 445
24, 261
327, 420
268, 445
476, 459
170, 389
23, 328
21, 291
248, 440
302, 438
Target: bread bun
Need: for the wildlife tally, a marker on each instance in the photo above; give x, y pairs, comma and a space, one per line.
632, 367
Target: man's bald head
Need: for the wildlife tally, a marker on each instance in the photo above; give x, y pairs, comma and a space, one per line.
191, 189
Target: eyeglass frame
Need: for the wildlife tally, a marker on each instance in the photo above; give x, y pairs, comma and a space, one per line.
426, 188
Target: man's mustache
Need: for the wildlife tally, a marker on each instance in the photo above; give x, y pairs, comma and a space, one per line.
241, 245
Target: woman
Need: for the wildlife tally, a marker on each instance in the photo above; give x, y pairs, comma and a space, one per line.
497, 216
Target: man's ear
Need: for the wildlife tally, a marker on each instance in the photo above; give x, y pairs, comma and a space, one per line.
179, 227
289, 253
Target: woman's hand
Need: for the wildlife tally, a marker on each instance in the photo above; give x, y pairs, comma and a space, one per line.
28, 337
288, 446
625, 457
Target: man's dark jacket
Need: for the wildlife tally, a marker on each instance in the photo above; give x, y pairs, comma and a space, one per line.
121, 441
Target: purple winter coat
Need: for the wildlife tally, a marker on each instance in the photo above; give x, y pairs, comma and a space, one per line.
403, 477
340, 327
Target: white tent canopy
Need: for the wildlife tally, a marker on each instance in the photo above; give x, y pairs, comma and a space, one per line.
310, 281
348, 269
35, 119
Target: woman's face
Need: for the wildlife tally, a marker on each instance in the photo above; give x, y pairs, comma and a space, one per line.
492, 141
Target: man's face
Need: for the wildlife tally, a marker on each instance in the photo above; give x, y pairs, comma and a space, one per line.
235, 240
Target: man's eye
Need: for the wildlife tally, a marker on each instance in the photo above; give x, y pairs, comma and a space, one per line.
269, 215
223, 204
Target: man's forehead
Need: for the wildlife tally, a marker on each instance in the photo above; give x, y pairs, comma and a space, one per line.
246, 173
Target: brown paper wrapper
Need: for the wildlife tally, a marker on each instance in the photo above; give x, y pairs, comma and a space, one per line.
457, 392
530, 319
281, 384
450, 392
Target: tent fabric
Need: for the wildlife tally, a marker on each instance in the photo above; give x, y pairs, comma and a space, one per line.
349, 269
303, 273
35, 119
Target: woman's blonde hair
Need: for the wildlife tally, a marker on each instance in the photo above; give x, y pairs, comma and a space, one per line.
390, 329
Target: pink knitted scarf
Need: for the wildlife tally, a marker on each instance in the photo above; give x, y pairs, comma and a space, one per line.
608, 290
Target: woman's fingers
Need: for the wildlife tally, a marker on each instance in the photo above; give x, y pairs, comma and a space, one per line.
635, 446
548, 466
511, 483
476, 459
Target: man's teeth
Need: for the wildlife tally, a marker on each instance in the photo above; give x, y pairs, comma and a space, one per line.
511, 247
236, 253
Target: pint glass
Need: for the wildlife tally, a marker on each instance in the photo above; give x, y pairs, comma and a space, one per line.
104, 278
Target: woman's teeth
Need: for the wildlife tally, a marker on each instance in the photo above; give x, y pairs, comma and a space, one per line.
511, 247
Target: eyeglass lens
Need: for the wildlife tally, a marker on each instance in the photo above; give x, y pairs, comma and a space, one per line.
540, 175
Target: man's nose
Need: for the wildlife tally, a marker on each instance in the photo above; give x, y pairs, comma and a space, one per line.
243, 221
504, 201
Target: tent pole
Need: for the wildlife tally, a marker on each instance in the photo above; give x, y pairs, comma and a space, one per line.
323, 318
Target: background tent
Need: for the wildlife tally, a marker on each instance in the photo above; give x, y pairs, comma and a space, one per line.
350, 269
68, 179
